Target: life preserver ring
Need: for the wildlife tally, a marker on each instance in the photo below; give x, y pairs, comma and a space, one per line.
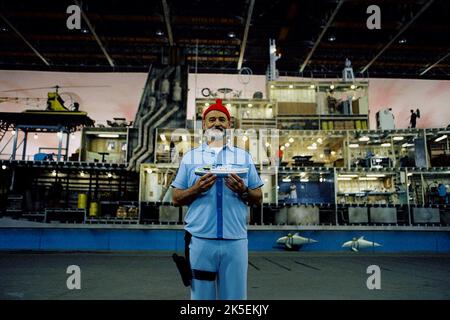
206, 92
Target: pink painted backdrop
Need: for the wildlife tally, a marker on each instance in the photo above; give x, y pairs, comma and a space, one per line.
120, 94
118, 97
431, 97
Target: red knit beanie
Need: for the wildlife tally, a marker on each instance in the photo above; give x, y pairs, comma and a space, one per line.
219, 107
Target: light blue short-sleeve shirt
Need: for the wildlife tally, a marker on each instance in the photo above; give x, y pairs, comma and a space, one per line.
218, 213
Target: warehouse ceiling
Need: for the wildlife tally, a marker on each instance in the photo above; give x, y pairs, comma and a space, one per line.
314, 37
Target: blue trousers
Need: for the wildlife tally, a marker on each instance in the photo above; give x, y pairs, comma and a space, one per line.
228, 259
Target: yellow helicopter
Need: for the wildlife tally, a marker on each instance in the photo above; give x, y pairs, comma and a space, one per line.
55, 101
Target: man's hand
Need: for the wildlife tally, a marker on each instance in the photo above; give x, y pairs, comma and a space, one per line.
182, 197
235, 183
205, 183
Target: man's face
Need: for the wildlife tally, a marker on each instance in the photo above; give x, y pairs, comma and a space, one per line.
216, 120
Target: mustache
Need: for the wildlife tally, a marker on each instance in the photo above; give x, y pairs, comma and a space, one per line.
214, 129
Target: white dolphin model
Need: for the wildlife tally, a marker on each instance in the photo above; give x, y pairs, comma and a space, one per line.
360, 243
294, 240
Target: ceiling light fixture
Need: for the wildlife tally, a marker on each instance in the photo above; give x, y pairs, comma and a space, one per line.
364, 139
107, 135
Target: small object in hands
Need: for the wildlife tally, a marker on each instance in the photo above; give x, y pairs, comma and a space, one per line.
222, 170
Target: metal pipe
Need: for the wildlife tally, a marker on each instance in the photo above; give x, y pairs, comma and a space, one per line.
407, 197
335, 196
406, 26
24, 40
60, 144
13, 153
111, 62
25, 139
244, 40
66, 157
324, 30
167, 21
435, 64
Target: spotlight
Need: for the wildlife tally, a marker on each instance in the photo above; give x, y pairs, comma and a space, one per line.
331, 38
35, 136
231, 34
159, 33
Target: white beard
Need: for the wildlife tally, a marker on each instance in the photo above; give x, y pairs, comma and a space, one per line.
213, 134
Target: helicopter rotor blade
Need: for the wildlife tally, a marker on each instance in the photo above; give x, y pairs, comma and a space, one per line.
57, 87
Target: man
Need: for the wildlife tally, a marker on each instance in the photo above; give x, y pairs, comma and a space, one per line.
216, 219
293, 193
442, 192
413, 119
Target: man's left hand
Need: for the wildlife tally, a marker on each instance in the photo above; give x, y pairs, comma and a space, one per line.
235, 183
